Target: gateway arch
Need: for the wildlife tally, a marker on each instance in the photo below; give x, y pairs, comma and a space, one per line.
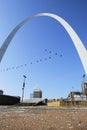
82, 52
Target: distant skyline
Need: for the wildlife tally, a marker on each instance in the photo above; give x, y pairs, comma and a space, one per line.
47, 56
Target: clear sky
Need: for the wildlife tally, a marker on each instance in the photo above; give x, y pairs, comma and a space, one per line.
42, 50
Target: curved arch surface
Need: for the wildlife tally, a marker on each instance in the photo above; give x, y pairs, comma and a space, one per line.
76, 40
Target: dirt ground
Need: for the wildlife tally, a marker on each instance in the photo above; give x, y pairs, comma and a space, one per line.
42, 118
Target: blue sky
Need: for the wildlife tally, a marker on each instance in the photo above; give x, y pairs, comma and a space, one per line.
37, 41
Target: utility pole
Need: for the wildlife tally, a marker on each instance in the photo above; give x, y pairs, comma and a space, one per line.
23, 87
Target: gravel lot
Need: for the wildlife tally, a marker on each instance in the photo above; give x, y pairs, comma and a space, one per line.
42, 118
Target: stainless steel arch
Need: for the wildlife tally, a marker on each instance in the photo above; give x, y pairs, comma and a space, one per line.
76, 40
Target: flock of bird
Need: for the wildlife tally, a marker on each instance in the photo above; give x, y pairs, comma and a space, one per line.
30, 63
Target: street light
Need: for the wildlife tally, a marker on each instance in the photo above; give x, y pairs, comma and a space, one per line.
23, 87
84, 77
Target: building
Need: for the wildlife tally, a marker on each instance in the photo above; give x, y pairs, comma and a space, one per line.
8, 100
35, 101
75, 96
1, 92
84, 88
37, 93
